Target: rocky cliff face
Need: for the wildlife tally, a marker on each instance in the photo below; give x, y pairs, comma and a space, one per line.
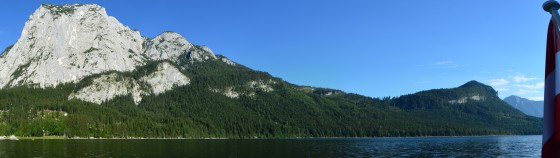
108, 86
171, 45
64, 44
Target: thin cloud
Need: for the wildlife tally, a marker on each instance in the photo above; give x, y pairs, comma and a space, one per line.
536, 98
498, 82
447, 63
522, 78
525, 91
502, 89
539, 85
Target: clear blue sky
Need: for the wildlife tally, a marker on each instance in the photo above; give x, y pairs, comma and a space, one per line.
374, 48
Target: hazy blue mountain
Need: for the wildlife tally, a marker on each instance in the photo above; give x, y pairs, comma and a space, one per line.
529, 107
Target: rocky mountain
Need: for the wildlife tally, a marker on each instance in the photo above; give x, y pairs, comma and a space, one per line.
529, 107
64, 44
76, 71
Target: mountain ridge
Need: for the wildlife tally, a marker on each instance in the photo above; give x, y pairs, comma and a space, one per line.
92, 43
529, 107
168, 87
75, 41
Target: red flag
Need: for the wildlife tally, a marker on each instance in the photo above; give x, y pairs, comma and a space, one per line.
551, 132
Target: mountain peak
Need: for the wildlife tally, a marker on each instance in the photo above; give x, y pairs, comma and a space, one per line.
479, 87
56, 11
513, 97
472, 83
171, 45
529, 107
170, 34
514, 100
66, 7
518, 98
65, 43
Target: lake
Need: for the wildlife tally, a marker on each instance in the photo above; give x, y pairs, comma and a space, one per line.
482, 146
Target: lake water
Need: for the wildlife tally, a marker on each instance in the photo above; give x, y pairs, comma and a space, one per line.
484, 146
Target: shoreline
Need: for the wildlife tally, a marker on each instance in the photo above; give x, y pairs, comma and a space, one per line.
294, 138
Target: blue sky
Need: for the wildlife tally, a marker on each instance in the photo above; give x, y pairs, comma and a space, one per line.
374, 48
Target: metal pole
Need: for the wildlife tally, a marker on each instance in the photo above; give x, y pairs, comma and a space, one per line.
552, 7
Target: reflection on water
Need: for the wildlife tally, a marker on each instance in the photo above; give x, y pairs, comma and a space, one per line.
487, 146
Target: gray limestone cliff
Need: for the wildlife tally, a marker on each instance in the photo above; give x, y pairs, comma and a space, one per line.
65, 44
61, 44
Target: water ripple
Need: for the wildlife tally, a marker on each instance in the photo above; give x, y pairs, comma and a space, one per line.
488, 146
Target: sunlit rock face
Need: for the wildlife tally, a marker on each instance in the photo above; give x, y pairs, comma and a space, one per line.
109, 86
61, 44
171, 45
65, 44
165, 78
464, 100
250, 89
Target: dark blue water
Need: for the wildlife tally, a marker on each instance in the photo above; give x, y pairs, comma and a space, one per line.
487, 146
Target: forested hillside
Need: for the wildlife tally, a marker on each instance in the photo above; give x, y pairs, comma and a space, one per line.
78, 72
199, 110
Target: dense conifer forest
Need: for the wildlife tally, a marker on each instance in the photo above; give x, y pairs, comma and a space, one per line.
289, 111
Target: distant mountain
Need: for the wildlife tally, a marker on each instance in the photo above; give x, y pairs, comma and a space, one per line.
76, 71
529, 107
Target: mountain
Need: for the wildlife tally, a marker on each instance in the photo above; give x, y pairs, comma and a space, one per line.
76, 71
529, 107
65, 44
